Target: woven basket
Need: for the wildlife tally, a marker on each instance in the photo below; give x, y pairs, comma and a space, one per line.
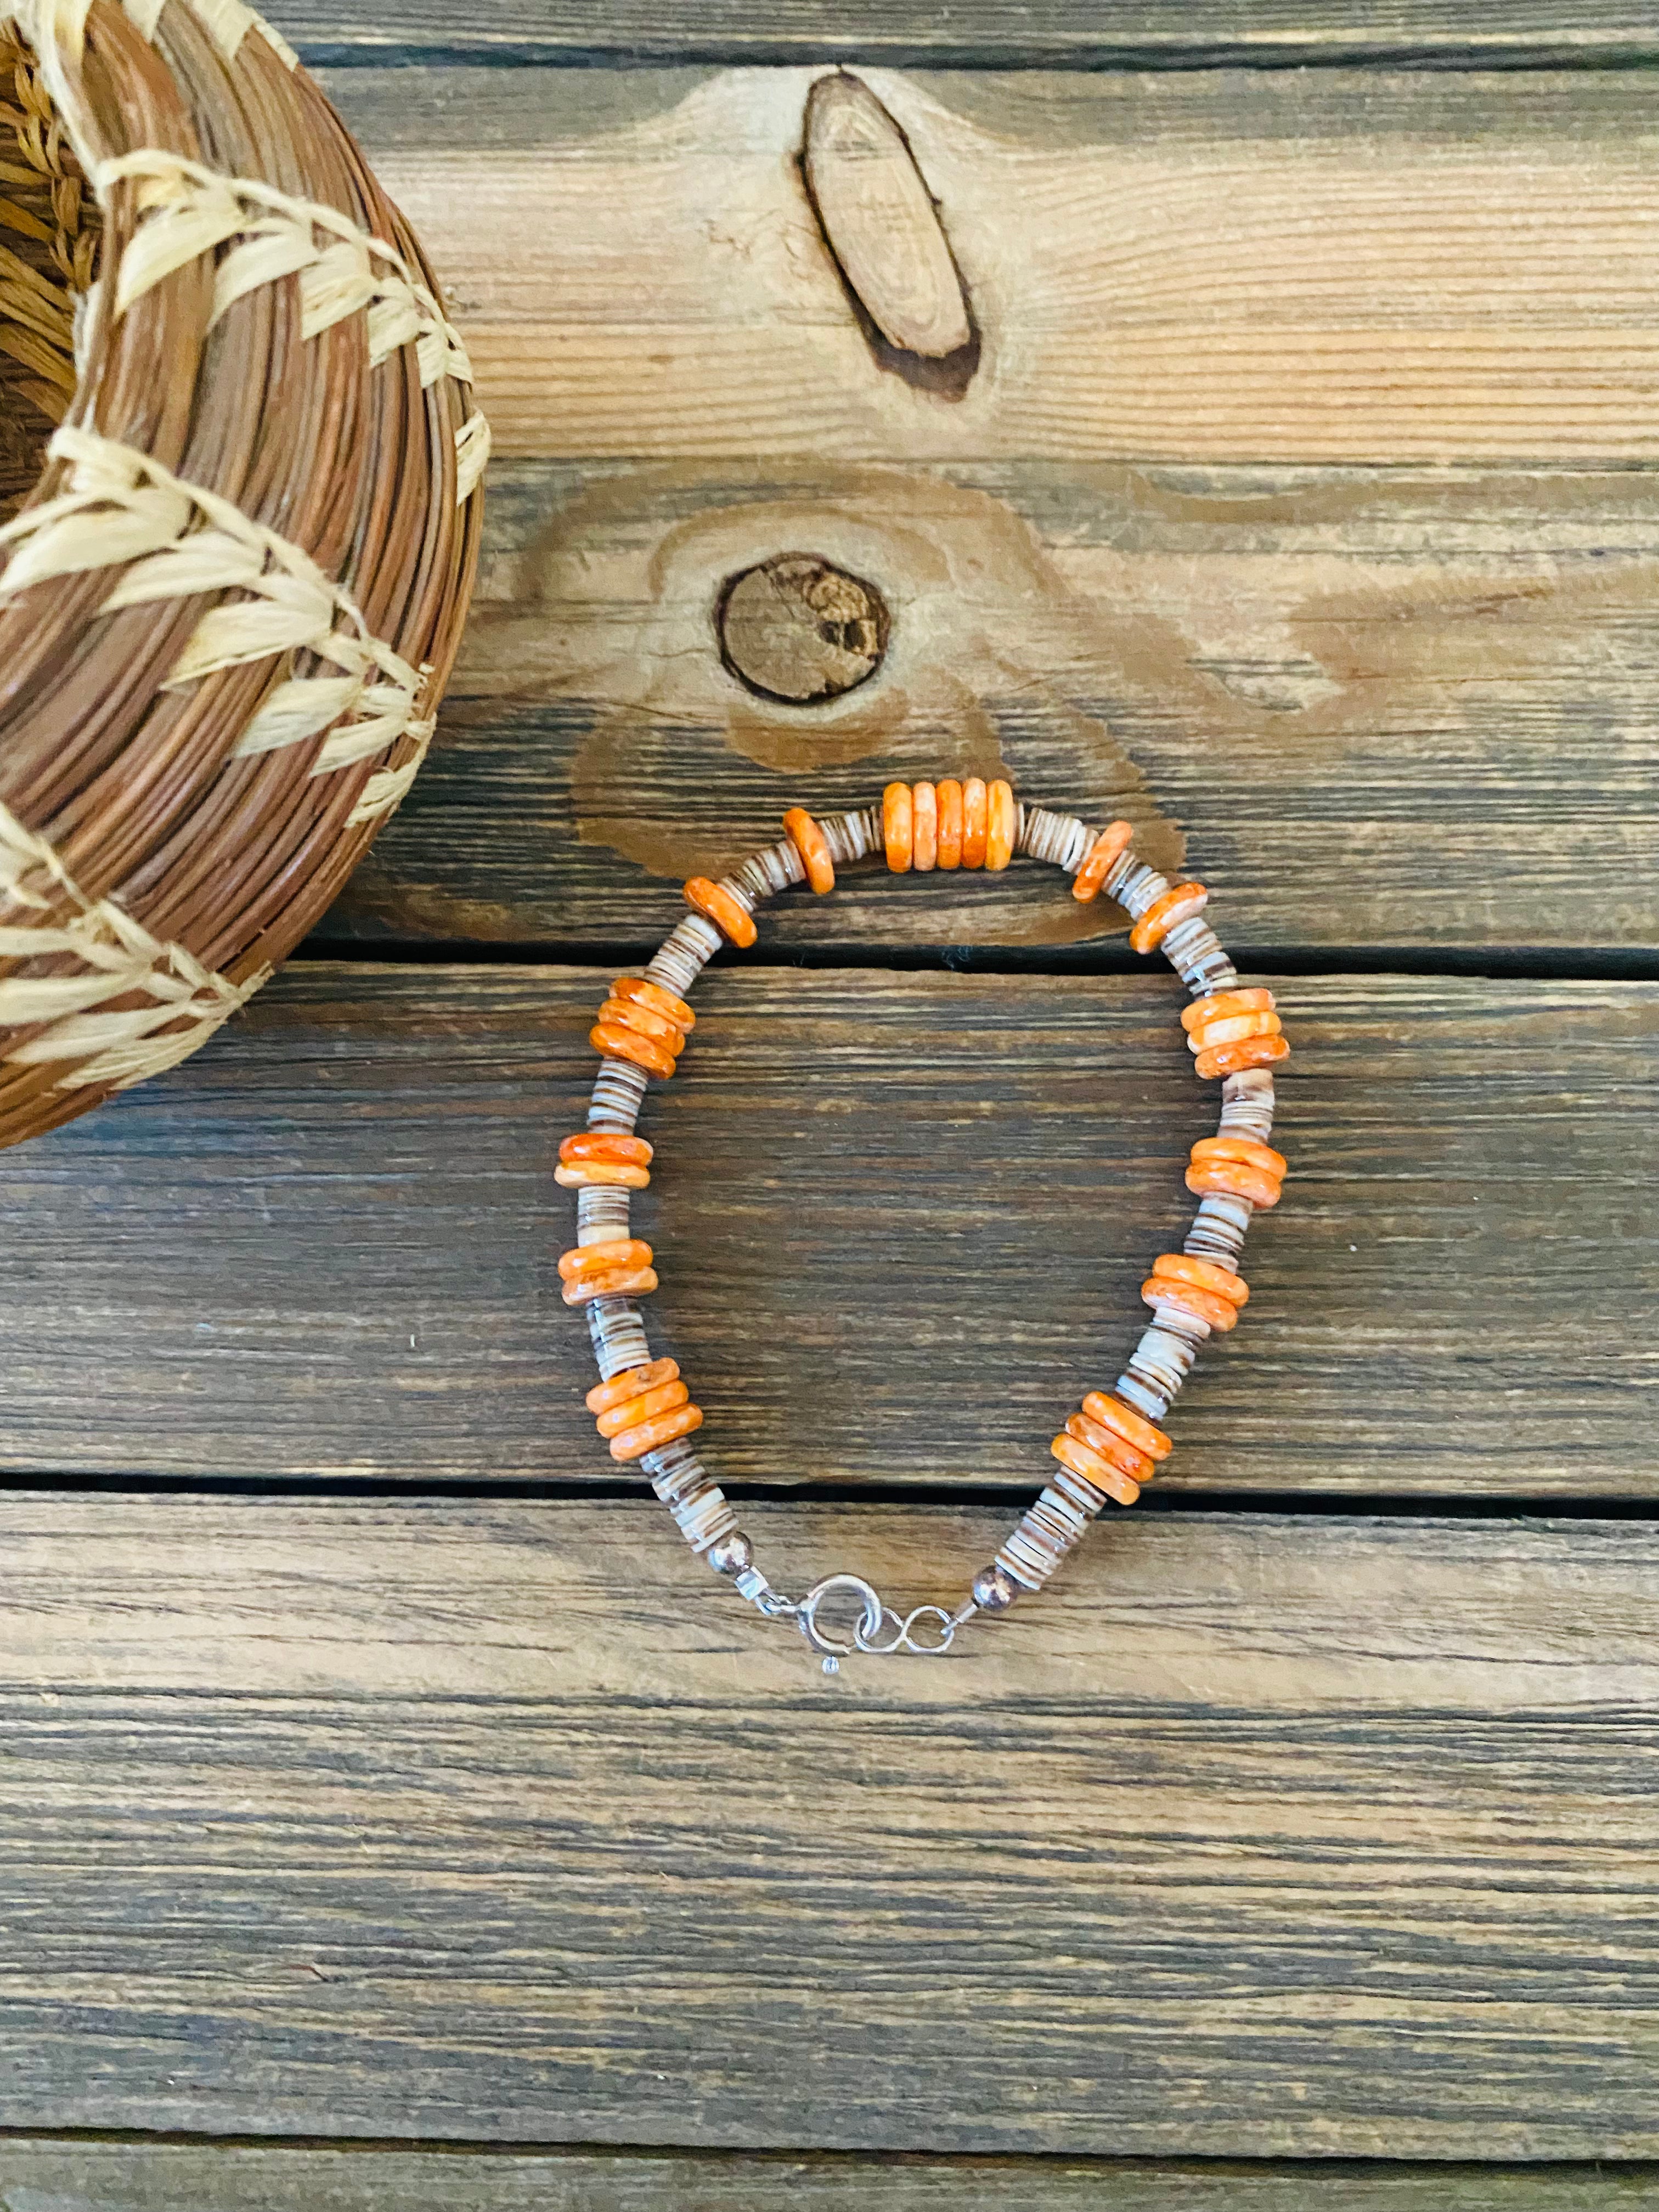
238, 463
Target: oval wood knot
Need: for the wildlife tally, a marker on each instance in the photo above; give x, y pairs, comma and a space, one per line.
800, 629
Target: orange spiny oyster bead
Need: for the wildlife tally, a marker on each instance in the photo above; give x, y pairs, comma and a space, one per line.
948, 796
603, 1397
1234, 1030
809, 841
620, 1042
651, 1434
1101, 859
1179, 904
1250, 1052
999, 821
1209, 1306
1111, 1447
1083, 1459
1236, 1167
924, 828
975, 806
645, 1407
898, 826
633, 1014
592, 1156
1203, 1274
1101, 1405
1222, 1006
617, 1268
729, 915
652, 995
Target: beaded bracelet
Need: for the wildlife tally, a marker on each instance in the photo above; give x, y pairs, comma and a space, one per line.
1109, 1448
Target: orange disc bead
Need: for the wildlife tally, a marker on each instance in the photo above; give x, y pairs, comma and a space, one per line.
620, 1043
1133, 1427
729, 915
1233, 1031
999, 821
661, 1428
605, 1145
949, 822
645, 1407
975, 804
1206, 1274
598, 1258
647, 994
1222, 1006
809, 841
1093, 1468
898, 828
1101, 859
1179, 904
924, 825
1250, 1150
629, 1014
1161, 1290
620, 1283
1233, 1179
1110, 1446
604, 1396
602, 1174
1250, 1052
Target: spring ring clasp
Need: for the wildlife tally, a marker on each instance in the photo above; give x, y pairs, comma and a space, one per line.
874, 1616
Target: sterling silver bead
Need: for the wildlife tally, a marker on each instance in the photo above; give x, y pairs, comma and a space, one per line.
994, 1589
731, 1554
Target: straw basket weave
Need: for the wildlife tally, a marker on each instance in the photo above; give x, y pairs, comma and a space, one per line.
230, 601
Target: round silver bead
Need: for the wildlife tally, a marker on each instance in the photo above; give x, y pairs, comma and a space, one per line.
994, 1589
731, 1554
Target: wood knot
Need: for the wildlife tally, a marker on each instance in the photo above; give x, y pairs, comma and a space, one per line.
799, 630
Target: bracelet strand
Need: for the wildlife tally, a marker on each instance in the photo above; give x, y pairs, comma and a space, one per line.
1109, 1448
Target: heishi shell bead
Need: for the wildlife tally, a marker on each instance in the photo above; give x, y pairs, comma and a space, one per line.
660, 1429
1250, 1052
729, 915
642, 1408
1101, 857
1000, 820
948, 795
1070, 1452
1218, 1313
924, 828
975, 807
652, 995
731, 1554
898, 828
994, 1589
1179, 904
809, 841
1204, 1274
1134, 1429
620, 1043
621, 1387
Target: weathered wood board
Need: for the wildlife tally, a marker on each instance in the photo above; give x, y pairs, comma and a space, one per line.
1257, 1836
39, 2175
902, 1221
1389, 710
659, 288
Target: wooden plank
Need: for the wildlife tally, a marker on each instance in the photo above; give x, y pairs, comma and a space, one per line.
1436, 282
1257, 1837
1396, 708
39, 2175
1086, 33
902, 1221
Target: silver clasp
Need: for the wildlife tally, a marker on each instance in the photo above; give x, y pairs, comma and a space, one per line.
873, 1618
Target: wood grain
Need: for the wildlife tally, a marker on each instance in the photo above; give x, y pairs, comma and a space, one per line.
661, 289
1404, 708
39, 2175
1083, 33
1259, 1836
902, 1221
